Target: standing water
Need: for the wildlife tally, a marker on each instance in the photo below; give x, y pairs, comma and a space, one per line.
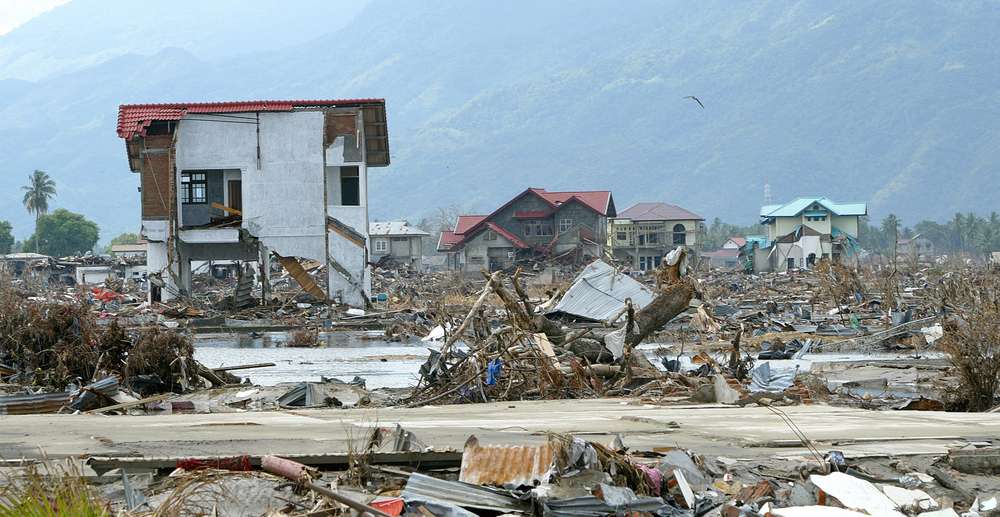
343, 355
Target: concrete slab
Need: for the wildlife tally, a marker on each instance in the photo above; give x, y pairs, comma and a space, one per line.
751, 432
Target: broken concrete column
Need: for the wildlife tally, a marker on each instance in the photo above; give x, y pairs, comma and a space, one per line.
975, 461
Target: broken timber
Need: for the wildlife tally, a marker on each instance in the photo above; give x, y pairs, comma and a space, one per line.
870, 342
294, 268
345, 231
224, 208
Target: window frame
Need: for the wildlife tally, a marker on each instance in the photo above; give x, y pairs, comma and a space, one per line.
381, 245
189, 182
350, 175
538, 228
679, 236
565, 224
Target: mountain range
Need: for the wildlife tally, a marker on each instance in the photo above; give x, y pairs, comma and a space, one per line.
895, 103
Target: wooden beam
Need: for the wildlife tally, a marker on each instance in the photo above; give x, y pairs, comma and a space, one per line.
345, 231
224, 208
295, 269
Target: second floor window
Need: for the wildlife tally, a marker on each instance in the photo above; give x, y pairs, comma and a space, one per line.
538, 228
194, 187
680, 234
381, 245
565, 225
350, 186
490, 235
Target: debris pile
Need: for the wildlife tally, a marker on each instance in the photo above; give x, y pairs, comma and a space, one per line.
527, 355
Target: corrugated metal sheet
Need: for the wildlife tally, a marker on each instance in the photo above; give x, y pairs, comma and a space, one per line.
426, 488
599, 293
793, 208
503, 465
33, 404
394, 228
591, 506
30, 404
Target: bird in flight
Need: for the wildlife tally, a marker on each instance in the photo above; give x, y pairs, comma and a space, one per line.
692, 97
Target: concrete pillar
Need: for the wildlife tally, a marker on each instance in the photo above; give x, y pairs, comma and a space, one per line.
156, 266
265, 272
184, 274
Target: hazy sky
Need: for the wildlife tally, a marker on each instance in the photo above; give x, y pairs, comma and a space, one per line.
15, 12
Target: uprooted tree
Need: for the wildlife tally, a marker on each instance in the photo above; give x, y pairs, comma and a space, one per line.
527, 345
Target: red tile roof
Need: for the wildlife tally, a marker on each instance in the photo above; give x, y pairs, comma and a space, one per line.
659, 212
598, 200
467, 222
133, 119
517, 242
468, 226
739, 241
447, 240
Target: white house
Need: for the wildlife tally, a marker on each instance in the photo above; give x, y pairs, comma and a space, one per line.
397, 241
807, 229
256, 181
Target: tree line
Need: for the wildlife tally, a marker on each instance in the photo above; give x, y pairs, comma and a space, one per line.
60, 233
963, 233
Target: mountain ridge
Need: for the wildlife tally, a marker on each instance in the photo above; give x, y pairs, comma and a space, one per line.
886, 102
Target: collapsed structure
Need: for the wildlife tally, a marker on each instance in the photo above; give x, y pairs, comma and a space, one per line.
805, 230
254, 179
535, 223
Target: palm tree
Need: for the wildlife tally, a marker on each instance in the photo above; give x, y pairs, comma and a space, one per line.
37, 192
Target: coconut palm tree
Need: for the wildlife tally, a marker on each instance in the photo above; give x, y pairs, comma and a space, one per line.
37, 192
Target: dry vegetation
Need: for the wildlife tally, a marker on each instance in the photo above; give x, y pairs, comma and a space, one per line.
50, 492
55, 344
972, 337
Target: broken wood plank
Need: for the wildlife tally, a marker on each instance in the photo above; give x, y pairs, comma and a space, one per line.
345, 231
242, 367
295, 269
224, 208
132, 403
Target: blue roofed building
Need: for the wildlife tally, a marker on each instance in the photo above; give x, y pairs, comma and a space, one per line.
807, 229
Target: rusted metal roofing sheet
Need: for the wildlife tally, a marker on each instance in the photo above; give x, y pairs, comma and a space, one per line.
33, 404
506, 465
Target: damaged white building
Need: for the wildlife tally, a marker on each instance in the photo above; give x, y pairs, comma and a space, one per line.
257, 181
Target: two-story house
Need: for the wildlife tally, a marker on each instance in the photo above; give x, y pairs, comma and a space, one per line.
807, 229
646, 232
535, 223
397, 242
256, 180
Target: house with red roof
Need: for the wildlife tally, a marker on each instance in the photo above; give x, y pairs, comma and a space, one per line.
644, 233
536, 223
256, 181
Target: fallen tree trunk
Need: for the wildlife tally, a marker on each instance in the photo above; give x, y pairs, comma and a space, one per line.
673, 301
